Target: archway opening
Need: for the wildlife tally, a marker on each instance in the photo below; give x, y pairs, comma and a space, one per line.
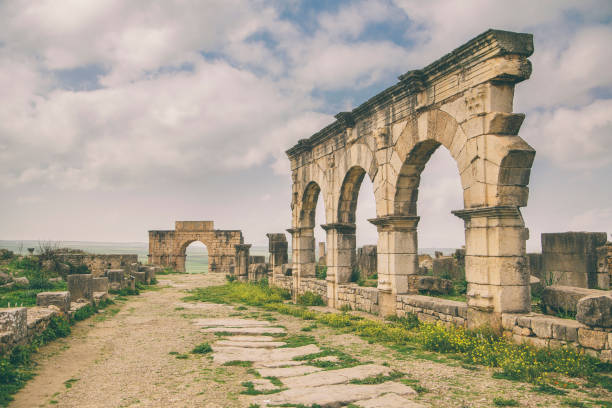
196, 260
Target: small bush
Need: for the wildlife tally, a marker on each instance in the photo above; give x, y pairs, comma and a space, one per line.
203, 348
83, 313
321, 272
505, 402
355, 275
310, 299
230, 278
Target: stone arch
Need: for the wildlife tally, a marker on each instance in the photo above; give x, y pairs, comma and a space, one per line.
310, 197
181, 253
349, 192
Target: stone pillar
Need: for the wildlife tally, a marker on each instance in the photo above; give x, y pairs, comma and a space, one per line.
277, 246
179, 262
396, 257
340, 257
322, 253
304, 265
241, 271
495, 264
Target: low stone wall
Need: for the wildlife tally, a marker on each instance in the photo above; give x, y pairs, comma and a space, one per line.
20, 325
316, 286
431, 309
284, 282
98, 263
358, 298
550, 331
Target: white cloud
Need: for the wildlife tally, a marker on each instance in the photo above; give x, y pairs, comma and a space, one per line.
596, 219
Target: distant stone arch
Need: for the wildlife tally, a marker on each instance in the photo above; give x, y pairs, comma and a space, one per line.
167, 248
463, 102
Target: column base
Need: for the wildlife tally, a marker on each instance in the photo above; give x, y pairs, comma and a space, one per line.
477, 319
386, 304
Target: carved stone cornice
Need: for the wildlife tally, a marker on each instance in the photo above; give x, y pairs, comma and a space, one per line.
396, 222
345, 119
342, 227
502, 211
415, 81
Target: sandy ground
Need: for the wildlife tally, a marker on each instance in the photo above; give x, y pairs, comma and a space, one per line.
122, 359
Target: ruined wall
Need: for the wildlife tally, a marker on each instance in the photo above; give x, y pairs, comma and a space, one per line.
366, 261
98, 263
167, 248
316, 286
431, 310
604, 266
358, 298
570, 258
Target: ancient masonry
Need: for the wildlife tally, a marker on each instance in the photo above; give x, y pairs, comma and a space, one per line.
167, 248
462, 102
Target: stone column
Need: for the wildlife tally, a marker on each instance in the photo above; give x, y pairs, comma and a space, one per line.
241, 270
495, 264
303, 255
179, 262
397, 257
340, 257
277, 246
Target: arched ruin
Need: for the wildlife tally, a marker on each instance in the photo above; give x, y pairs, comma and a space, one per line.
462, 102
167, 247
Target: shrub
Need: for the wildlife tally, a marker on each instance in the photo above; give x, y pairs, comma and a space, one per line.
321, 272
203, 348
310, 299
83, 313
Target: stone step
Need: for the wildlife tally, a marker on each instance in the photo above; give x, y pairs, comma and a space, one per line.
224, 354
252, 338
213, 322
278, 364
283, 372
250, 344
246, 330
341, 376
333, 396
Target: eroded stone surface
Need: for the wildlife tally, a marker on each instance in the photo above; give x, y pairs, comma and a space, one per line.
263, 384
283, 372
332, 396
212, 322
250, 344
281, 363
343, 375
246, 330
225, 354
253, 338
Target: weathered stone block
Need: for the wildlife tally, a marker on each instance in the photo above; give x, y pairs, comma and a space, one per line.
14, 320
116, 279
595, 310
59, 299
140, 277
80, 287
100, 284
592, 338
565, 298
429, 283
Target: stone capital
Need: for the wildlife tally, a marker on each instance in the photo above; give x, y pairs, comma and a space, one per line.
242, 247
396, 222
342, 227
502, 211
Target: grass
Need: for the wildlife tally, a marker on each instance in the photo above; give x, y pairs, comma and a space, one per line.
380, 378
250, 389
238, 363
203, 348
68, 383
505, 402
298, 341
310, 299
473, 347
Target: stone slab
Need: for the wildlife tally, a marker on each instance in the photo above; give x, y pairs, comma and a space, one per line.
250, 344
246, 330
225, 354
390, 400
343, 375
277, 364
253, 338
283, 372
229, 322
334, 396
263, 384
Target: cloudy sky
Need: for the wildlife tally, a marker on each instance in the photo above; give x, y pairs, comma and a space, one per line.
117, 117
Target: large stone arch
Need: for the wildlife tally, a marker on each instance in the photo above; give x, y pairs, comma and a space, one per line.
463, 102
167, 247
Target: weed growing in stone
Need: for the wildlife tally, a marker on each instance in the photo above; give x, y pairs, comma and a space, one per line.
203, 348
298, 341
238, 363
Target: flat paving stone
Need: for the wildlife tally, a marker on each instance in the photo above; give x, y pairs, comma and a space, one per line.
343, 375
252, 338
250, 344
333, 396
280, 363
390, 400
263, 384
283, 372
224, 354
246, 330
214, 322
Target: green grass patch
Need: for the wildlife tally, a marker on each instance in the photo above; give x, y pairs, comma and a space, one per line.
298, 341
238, 363
380, 378
310, 299
253, 294
68, 383
250, 389
125, 292
505, 402
203, 348
83, 313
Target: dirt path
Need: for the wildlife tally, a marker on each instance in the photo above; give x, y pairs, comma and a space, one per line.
136, 354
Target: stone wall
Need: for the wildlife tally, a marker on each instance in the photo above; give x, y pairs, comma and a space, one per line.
604, 266
21, 325
550, 331
316, 286
284, 282
366, 260
358, 298
570, 258
98, 263
431, 310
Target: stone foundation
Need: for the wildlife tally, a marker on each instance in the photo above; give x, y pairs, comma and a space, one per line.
98, 263
431, 310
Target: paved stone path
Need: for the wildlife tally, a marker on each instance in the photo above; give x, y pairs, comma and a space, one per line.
300, 383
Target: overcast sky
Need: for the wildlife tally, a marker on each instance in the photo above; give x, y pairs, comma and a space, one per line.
117, 117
